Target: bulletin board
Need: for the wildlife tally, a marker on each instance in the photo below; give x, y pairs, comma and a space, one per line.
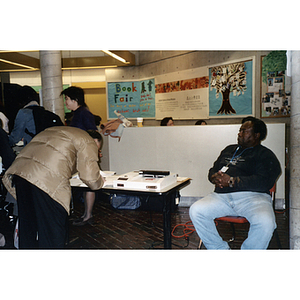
132, 99
223, 90
275, 89
182, 95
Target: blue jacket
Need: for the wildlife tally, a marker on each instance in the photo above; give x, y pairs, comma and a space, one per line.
83, 119
24, 119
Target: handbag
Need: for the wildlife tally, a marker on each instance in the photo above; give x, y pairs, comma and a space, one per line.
120, 201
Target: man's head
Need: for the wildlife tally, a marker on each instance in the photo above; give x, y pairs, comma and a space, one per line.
97, 138
75, 93
252, 132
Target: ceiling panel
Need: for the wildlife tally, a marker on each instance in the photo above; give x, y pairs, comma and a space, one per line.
11, 61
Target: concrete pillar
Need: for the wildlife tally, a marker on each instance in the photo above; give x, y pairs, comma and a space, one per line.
51, 74
295, 153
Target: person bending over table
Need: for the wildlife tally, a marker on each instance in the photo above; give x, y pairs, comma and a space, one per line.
243, 174
39, 178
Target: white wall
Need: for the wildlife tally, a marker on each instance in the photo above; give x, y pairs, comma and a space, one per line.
188, 151
69, 76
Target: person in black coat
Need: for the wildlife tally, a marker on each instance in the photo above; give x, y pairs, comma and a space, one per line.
6, 152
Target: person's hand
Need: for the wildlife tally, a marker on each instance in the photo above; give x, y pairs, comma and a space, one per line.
220, 179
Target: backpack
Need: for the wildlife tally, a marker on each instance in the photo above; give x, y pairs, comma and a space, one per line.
43, 119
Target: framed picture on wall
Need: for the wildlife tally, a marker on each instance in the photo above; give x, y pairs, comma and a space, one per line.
275, 86
231, 89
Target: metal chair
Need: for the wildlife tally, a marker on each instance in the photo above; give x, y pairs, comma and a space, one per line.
241, 220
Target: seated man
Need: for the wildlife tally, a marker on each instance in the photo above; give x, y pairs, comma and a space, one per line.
243, 174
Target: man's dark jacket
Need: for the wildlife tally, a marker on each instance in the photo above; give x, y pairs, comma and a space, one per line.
255, 169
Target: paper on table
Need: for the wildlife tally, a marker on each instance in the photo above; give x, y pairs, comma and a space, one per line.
179, 179
109, 180
107, 175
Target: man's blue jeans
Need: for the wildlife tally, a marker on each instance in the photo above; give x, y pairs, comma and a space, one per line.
255, 207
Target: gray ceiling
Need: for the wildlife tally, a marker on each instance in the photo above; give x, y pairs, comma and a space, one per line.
11, 61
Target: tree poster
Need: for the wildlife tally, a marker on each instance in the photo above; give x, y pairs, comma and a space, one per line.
231, 89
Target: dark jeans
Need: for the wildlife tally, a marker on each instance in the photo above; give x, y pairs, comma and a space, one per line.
42, 220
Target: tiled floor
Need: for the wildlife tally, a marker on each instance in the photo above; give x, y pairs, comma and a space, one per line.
136, 229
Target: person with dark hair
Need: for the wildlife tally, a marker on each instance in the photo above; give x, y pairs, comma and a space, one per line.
27, 97
249, 118
3, 119
167, 121
95, 135
82, 117
98, 120
6, 152
39, 178
7, 155
76, 94
27, 94
258, 126
243, 174
201, 122
85, 120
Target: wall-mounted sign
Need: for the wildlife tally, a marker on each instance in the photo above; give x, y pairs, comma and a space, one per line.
182, 95
132, 99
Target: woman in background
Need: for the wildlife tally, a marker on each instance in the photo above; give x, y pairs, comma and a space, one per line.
85, 120
82, 117
201, 122
167, 121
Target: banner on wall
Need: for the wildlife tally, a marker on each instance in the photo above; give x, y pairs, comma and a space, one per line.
132, 99
182, 95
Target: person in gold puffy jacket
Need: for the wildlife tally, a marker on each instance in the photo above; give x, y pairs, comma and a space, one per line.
39, 179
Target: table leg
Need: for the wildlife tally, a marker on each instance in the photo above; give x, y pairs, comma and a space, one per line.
167, 221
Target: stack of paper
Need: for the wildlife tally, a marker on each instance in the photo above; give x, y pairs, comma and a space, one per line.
108, 177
